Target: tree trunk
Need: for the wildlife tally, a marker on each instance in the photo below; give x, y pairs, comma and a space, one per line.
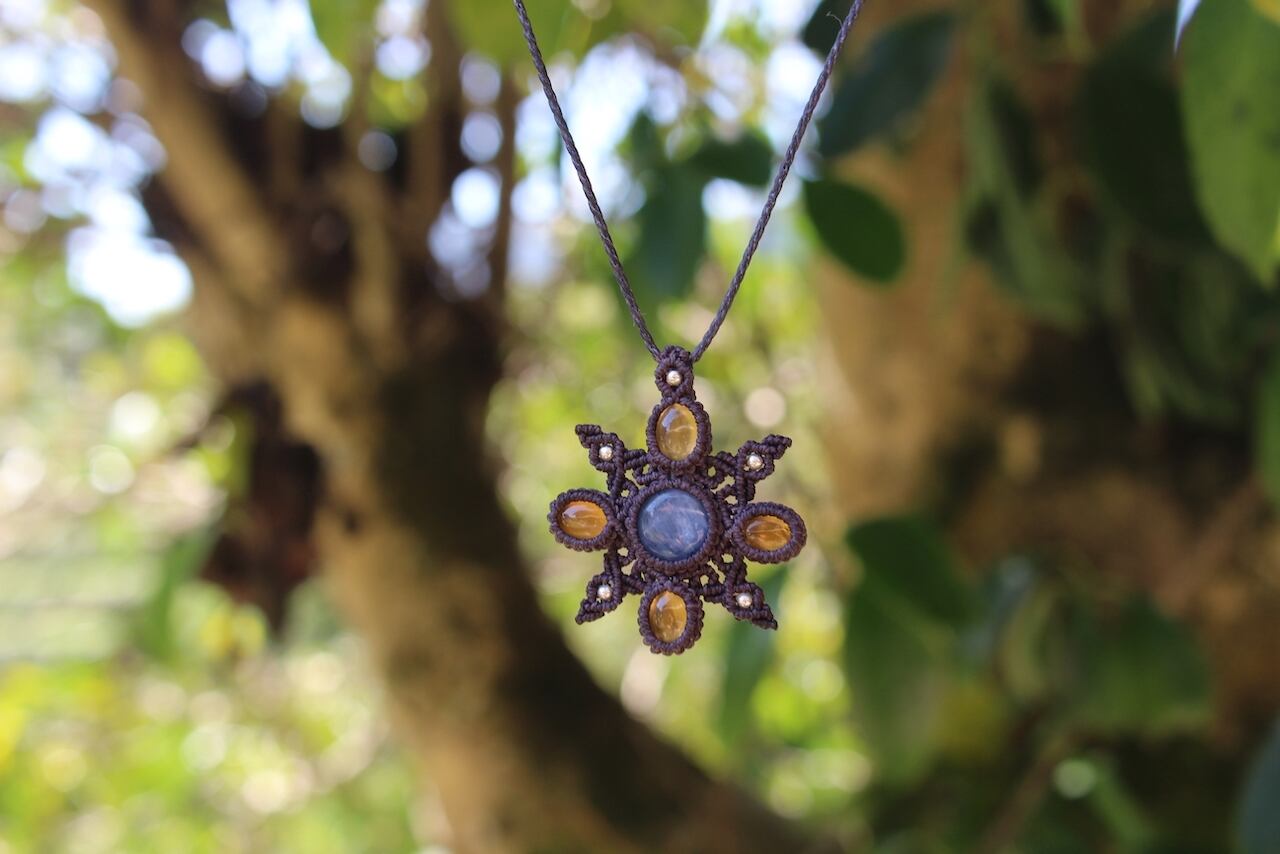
312, 273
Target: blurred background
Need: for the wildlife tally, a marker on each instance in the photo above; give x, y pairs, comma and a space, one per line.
302, 303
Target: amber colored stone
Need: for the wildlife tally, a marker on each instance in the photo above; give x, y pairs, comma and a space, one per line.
677, 432
668, 616
582, 520
766, 533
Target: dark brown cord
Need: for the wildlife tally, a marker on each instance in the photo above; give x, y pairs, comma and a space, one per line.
570, 146
788, 157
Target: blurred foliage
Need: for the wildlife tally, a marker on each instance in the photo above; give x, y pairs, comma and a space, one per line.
888, 84
141, 710
1232, 127
226, 744
564, 29
1008, 224
874, 249
947, 675
908, 702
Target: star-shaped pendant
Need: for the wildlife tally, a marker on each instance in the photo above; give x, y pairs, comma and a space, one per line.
678, 523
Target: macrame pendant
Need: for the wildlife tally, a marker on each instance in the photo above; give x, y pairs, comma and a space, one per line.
678, 523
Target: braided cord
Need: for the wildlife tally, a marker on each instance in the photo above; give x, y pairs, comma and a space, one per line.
784, 169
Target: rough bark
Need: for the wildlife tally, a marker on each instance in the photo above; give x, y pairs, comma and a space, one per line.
312, 273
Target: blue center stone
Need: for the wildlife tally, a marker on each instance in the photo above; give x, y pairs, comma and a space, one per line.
673, 525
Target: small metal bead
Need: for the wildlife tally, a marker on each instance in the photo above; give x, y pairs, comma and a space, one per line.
755, 462
744, 600
604, 591
606, 452
674, 378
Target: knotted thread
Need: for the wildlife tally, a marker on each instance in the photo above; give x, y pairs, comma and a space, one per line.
784, 168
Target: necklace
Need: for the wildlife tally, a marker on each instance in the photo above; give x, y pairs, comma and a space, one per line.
678, 522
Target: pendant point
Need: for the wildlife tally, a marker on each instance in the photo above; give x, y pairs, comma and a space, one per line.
677, 432
766, 532
668, 616
583, 520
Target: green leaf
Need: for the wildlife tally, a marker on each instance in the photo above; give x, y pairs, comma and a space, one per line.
341, 26
900, 640
643, 145
1193, 327
1005, 225
1266, 431
907, 556
824, 24
897, 672
1137, 671
749, 654
1229, 101
490, 26
153, 622
857, 228
673, 234
1020, 654
678, 22
747, 159
1259, 825
887, 84
1004, 133
1027, 260
1130, 129
1120, 809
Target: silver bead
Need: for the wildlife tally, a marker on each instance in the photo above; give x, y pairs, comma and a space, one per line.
674, 378
606, 452
755, 462
744, 600
604, 591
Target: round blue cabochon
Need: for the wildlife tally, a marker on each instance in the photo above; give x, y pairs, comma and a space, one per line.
673, 525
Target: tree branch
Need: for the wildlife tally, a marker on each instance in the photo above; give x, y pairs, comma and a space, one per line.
508, 100
215, 197
432, 141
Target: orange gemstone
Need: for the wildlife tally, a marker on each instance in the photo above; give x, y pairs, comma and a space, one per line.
677, 432
582, 520
668, 616
766, 533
